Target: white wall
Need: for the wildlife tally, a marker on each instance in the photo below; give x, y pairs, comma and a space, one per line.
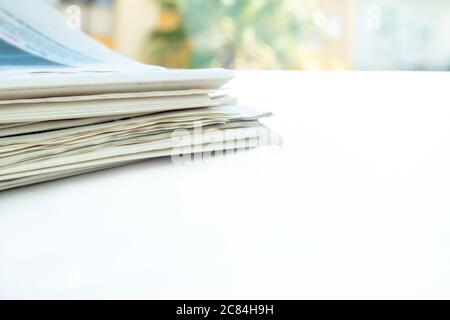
133, 23
412, 34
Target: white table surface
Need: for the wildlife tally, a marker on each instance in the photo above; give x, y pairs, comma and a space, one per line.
355, 204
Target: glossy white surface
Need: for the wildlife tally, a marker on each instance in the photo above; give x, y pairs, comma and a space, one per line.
354, 205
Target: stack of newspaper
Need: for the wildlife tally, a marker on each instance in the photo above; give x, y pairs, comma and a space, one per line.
69, 106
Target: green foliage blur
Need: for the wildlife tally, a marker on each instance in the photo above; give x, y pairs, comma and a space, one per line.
230, 33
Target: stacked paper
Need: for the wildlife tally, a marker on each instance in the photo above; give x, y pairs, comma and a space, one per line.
70, 106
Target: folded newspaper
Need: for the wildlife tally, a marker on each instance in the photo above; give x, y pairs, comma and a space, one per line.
69, 106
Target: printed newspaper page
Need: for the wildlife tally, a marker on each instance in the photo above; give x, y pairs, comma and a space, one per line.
42, 56
34, 35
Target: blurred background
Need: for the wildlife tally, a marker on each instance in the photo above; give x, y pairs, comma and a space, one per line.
272, 34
